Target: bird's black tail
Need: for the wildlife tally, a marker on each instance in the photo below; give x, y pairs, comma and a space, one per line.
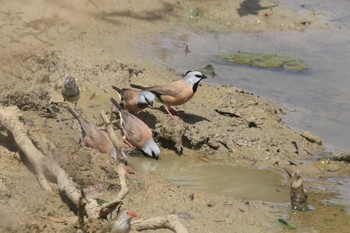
116, 104
137, 86
117, 89
74, 113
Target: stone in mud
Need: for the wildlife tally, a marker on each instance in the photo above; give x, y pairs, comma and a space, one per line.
298, 195
170, 133
341, 156
311, 137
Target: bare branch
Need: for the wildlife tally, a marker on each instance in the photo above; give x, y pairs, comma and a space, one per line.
109, 207
118, 144
9, 119
170, 222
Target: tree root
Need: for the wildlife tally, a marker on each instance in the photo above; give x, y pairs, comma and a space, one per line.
170, 222
9, 118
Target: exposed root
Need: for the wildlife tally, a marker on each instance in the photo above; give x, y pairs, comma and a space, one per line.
9, 118
170, 222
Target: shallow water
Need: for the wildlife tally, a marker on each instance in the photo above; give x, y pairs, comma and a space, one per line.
237, 182
317, 100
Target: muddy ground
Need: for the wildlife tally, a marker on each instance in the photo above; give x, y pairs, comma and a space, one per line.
44, 40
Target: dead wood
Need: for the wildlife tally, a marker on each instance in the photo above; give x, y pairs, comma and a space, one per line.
118, 144
9, 118
170, 222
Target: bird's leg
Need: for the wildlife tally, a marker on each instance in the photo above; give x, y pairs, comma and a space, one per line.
170, 114
128, 143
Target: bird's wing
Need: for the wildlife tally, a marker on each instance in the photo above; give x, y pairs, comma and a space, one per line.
130, 126
128, 94
88, 128
165, 90
161, 89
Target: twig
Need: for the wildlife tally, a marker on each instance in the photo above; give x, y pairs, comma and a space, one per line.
81, 210
107, 208
53, 219
115, 140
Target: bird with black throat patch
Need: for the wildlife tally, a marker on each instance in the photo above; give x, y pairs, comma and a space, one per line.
177, 92
135, 100
136, 132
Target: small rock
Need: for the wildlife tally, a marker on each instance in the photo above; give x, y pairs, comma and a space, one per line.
311, 137
228, 202
210, 204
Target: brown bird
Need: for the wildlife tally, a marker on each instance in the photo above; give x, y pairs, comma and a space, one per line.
177, 92
135, 100
70, 90
121, 224
137, 133
95, 138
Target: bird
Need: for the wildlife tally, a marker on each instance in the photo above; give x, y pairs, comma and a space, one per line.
121, 224
137, 133
177, 92
70, 90
95, 138
135, 100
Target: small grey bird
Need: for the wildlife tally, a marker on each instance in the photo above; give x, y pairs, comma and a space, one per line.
70, 90
137, 133
177, 92
121, 224
135, 100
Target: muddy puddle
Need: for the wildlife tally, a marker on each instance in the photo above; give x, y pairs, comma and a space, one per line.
235, 182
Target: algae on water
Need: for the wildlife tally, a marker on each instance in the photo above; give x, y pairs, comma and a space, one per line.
265, 60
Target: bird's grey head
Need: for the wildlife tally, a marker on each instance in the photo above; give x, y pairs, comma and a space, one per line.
146, 97
69, 82
151, 148
193, 78
123, 219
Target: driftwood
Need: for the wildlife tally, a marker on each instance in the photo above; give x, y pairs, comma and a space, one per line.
118, 144
170, 222
9, 118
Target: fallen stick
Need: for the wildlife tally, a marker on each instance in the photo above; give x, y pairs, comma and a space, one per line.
170, 222
118, 144
53, 219
9, 119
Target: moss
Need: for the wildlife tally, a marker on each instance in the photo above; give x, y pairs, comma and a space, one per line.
265, 60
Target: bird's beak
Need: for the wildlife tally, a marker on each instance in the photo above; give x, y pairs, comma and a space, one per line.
132, 214
150, 104
204, 77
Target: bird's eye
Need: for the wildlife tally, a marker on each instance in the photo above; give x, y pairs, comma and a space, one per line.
199, 76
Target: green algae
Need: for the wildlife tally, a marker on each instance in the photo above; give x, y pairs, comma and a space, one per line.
266, 60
